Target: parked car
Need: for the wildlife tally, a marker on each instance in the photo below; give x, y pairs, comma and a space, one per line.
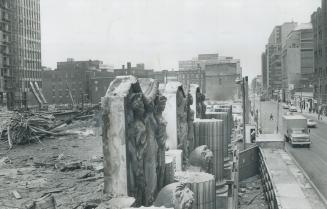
293, 109
285, 106
311, 123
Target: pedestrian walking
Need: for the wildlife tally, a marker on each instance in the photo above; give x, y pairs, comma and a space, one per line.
271, 117
320, 113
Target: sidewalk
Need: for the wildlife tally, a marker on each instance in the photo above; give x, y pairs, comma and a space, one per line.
313, 116
292, 189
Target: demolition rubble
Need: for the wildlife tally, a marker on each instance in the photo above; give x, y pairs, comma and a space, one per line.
148, 145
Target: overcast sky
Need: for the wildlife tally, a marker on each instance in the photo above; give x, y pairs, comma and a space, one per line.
161, 32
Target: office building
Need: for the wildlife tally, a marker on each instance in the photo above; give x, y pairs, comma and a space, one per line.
273, 53
20, 53
220, 73
319, 24
298, 61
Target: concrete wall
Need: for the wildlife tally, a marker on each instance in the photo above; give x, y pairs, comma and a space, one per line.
248, 163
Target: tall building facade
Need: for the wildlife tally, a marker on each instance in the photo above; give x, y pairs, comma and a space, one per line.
319, 23
219, 77
263, 73
6, 82
20, 52
298, 61
273, 52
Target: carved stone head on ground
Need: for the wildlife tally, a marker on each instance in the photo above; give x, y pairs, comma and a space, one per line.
202, 157
175, 195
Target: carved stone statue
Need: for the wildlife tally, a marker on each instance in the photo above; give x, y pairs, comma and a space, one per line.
137, 143
175, 195
182, 125
150, 161
200, 106
203, 106
161, 136
134, 138
190, 128
202, 157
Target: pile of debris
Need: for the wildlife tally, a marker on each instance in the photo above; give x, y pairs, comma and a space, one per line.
27, 127
251, 194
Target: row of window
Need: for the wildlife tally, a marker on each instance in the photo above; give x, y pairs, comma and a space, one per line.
31, 74
321, 72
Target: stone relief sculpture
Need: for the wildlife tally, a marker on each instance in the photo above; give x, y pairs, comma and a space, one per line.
202, 158
151, 93
200, 106
134, 139
190, 127
175, 195
182, 125
154, 163
161, 136
136, 146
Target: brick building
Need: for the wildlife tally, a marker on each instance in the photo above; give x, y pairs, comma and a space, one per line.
76, 82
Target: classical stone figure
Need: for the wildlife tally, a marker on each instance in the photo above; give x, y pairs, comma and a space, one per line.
202, 157
203, 106
137, 143
200, 106
190, 128
161, 136
175, 195
150, 161
182, 125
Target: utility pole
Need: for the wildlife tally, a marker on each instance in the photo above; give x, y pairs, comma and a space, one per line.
260, 107
301, 100
244, 110
277, 111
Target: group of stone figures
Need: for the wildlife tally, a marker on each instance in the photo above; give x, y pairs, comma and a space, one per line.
145, 132
146, 135
185, 119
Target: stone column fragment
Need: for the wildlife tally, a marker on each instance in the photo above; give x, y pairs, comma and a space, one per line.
203, 187
210, 133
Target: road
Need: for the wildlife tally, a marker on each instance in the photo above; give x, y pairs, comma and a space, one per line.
313, 160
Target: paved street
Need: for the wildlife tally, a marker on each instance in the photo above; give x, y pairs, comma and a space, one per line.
312, 160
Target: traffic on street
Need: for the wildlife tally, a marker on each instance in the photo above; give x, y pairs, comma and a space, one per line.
312, 158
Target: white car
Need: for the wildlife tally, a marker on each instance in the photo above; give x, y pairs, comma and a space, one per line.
311, 123
292, 109
285, 106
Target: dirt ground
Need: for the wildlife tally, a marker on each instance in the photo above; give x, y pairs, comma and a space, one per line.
251, 194
68, 167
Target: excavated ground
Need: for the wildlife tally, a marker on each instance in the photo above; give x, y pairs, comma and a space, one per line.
251, 194
68, 167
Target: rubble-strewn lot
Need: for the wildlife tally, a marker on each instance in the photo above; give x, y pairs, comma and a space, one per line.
69, 167
251, 194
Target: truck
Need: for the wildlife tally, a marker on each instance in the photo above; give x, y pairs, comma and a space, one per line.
295, 130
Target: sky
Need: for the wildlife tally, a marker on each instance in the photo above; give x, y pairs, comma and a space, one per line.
159, 33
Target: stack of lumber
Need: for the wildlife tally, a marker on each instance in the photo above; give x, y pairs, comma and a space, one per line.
23, 128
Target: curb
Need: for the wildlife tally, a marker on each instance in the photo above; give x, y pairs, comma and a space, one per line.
321, 196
